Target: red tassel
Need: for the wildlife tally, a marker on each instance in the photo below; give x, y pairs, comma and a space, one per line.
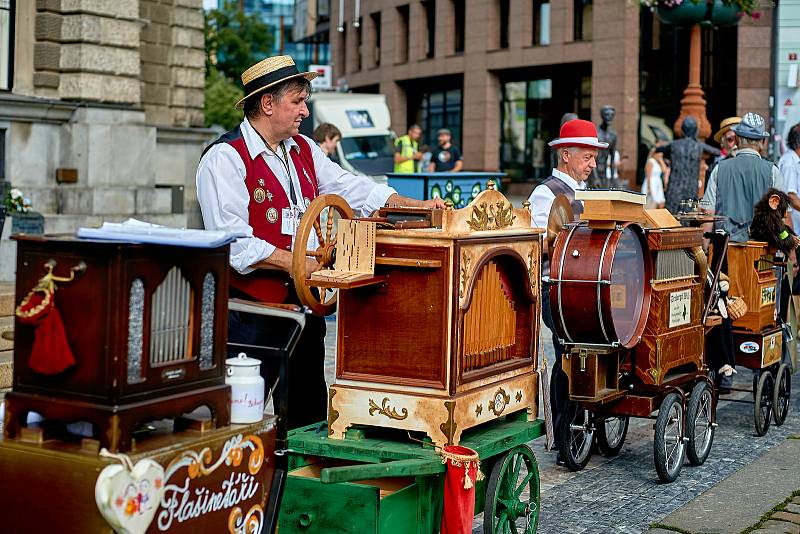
50, 353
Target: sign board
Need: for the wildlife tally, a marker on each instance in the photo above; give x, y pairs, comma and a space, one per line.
680, 305
325, 78
359, 118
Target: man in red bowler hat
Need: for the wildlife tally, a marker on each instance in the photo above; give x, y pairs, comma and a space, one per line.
576, 149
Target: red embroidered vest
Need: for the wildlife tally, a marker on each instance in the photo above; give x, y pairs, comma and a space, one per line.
268, 199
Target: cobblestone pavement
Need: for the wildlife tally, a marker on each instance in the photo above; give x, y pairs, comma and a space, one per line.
623, 494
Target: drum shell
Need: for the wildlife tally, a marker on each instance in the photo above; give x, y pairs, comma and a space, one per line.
581, 307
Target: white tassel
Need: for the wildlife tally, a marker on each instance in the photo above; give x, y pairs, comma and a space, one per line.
467, 480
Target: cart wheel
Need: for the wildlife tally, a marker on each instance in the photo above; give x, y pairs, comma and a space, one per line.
508, 507
783, 390
763, 405
698, 424
668, 446
575, 435
611, 432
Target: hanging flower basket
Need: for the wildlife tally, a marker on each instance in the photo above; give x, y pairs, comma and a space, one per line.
30, 222
687, 13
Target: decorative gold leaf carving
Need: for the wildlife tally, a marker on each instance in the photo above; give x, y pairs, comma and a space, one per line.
385, 409
491, 216
499, 401
478, 410
333, 415
465, 261
448, 428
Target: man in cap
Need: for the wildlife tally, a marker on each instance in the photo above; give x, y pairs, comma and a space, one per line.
736, 184
258, 179
446, 157
577, 147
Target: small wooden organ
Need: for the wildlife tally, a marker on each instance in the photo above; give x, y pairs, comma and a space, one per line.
147, 325
758, 341
446, 337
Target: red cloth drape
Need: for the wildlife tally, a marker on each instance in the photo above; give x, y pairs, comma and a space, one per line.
459, 489
50, 352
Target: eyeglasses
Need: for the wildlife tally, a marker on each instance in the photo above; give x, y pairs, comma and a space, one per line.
730, 138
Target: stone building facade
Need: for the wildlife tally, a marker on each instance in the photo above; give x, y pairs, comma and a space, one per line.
114, 90
513, 67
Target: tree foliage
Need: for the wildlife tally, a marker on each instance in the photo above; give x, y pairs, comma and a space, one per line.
221, 95
235, 40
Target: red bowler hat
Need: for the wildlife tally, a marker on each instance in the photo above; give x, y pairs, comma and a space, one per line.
578, 132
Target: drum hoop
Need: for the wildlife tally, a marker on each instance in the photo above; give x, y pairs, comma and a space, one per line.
600, 314
560, 277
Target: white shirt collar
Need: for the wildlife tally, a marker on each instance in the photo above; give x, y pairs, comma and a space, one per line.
569, 180
749, 151
256, 145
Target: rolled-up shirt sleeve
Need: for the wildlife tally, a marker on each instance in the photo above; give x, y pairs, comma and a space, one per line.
541, 200
224, 200
361, 192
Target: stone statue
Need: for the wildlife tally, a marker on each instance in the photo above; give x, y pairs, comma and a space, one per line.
685, 155
604, 175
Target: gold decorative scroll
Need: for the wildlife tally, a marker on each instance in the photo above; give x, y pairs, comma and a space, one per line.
385, 409
491, 216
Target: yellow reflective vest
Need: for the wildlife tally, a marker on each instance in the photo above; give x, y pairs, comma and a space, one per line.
406, 147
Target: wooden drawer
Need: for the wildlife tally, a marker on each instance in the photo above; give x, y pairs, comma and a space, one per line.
756, 350
593, 375
363, 507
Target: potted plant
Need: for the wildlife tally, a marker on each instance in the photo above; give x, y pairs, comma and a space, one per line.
23, 219
708, 12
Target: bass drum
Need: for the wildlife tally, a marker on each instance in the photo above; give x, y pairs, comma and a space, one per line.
600, 285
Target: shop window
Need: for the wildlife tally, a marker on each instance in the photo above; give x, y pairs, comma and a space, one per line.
402, 34
376, 29
541, 23
459, 11
582, 18
504, 8
430, 20
6, 44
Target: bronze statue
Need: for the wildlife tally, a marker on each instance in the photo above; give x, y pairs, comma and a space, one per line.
604, 175
685, 155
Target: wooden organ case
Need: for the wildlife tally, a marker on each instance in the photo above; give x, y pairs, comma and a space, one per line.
449, 340
147, 325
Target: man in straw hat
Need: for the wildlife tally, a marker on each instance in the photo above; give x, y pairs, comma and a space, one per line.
258, 179
726, 138
736, 184
577, 147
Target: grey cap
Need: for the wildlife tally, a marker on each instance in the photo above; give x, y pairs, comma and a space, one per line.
751, 127
444, 131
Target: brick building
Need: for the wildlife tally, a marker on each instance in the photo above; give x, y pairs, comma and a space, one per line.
111, 89
500, 73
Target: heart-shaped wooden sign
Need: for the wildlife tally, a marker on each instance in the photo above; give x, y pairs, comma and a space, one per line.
128, 499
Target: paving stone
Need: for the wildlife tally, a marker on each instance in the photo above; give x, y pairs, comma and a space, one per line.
793, 507
787, 516
781, 527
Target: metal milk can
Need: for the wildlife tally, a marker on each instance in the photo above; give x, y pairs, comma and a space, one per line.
247, 389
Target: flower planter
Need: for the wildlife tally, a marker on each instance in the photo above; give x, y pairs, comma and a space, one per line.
688, 14
27, 223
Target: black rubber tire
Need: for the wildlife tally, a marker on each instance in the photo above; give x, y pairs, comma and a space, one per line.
782, 395
762, 408
670, 420
575, 446
495, 510
699, 429
610, 440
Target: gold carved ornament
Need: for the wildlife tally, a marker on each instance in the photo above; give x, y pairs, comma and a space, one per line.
385, 409
491, 216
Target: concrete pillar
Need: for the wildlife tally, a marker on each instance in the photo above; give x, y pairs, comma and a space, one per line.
754, 63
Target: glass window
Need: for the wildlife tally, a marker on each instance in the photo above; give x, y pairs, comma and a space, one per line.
459, 13
430, 18
402, 48
504, 8
6, 43
582, 19
541, 23
441, 109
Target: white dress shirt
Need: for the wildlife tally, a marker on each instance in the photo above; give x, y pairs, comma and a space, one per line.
542, 198
789, 165
224, 198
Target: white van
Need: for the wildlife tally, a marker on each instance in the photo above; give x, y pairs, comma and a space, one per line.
367, 145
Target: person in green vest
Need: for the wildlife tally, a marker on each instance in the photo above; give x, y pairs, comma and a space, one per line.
406, 151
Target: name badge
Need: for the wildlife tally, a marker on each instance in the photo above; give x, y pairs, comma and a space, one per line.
289, 221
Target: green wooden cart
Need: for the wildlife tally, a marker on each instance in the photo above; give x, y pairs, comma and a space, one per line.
377, 481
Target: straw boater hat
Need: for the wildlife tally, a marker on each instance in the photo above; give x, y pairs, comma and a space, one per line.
269, 72
578, 132
724, 126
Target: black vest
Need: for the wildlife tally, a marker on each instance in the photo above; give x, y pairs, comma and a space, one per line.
558, 187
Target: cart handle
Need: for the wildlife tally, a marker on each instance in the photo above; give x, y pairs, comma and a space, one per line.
398, 468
